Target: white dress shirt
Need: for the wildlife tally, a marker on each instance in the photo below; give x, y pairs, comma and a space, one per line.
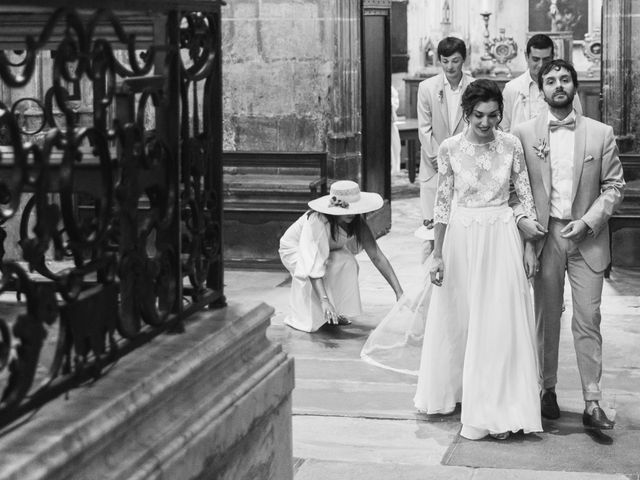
536, 103
453, 97
561, 144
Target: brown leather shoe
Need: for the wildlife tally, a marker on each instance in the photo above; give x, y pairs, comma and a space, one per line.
598, 419
549, 405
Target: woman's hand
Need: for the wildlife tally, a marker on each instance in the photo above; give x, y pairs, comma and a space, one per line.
531, 265
330, 315
436, 272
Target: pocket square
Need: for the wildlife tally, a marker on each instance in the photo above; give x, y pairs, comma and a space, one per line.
588, 158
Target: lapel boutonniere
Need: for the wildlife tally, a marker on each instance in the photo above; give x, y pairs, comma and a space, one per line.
542, 150
440, 95
523, 98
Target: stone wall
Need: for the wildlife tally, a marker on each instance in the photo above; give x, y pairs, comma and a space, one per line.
291, 78
276, 74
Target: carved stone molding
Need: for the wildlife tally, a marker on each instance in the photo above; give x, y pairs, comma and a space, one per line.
592, 49
367, 4
376, 12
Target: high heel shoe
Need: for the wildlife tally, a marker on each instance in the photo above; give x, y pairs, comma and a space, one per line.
500, 436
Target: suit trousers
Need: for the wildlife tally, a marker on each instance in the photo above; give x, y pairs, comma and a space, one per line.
558, 256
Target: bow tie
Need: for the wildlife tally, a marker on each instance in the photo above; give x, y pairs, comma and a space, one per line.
569, 123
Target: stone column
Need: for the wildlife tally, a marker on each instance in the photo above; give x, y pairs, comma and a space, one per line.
620, 71
343, 136
621, 103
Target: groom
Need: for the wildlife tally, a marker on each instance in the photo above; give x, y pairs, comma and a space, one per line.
577, 183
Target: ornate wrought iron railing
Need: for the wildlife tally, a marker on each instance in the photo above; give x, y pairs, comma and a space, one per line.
117, 206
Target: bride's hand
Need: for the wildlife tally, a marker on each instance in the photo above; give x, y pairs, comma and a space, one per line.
436, 272
531, 265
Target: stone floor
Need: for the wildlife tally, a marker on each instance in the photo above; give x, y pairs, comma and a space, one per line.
352, 420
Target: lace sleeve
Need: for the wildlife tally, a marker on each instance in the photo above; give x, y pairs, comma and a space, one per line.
520, 181
444, 191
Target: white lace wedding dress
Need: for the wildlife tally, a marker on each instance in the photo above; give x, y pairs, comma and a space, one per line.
479, 337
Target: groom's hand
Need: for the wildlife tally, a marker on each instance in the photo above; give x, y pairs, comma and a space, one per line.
531, 265
575, 230
531, 229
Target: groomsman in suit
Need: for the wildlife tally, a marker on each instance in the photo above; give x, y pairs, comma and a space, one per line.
439, 117
577, 183
523, 99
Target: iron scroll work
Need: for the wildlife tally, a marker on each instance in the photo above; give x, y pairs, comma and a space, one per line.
121, 236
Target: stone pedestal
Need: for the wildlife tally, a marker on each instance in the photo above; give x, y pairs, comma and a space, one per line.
214, 402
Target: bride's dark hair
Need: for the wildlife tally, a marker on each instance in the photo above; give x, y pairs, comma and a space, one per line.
482, 90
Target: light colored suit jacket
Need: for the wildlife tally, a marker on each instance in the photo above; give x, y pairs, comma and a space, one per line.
433, 120
598, 183
516, 98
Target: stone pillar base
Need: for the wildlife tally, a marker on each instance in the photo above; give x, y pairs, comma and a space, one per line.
214, 402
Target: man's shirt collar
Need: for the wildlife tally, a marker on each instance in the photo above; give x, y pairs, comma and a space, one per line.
447, 84
551, 116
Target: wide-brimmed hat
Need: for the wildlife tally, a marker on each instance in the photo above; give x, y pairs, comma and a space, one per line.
345, 198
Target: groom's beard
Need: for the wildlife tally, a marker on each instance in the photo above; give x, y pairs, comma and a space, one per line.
556, 102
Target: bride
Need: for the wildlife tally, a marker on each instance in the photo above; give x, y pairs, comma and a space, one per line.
479, 341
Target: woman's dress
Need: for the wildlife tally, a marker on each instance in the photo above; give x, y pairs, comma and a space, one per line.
307, 250
479, 341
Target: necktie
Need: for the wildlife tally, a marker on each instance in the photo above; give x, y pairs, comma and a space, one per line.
569, 123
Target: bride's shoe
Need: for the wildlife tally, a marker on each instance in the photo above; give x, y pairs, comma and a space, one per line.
500, 436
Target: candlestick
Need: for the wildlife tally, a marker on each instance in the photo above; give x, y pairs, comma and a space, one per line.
500, 50
486, 35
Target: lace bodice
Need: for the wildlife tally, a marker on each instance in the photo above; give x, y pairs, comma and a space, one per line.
481, 174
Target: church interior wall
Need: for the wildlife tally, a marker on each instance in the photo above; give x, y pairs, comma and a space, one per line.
278, 63
428, 21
